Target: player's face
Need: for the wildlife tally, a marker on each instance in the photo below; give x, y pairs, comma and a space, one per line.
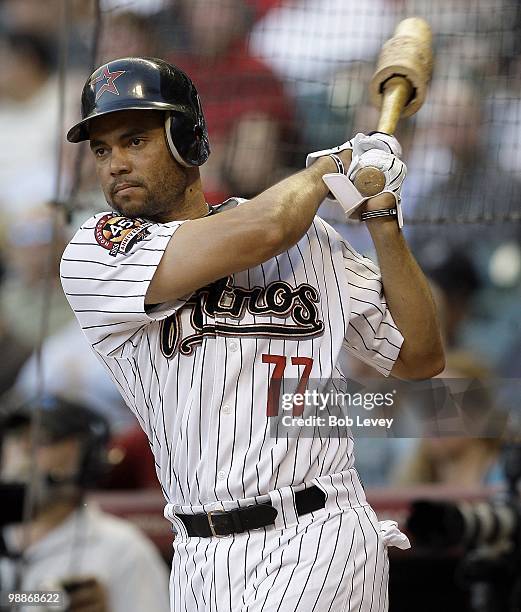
137, 172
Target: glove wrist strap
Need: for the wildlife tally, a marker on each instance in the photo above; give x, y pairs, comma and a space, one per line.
340, 168
378, 214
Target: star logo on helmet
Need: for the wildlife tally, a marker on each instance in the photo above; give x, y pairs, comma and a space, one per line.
109, 78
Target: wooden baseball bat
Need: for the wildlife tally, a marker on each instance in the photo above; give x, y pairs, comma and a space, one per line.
398, 86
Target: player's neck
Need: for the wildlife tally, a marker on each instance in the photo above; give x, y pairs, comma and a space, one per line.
192, 206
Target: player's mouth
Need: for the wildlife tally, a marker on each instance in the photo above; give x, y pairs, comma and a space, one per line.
125, 188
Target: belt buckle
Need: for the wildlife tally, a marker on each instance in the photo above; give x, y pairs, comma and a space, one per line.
212, 526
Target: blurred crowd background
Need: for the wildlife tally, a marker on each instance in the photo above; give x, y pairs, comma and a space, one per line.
278, 79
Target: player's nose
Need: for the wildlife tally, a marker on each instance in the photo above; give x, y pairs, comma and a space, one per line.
119, 162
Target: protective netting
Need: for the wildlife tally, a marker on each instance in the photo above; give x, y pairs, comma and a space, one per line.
279, 78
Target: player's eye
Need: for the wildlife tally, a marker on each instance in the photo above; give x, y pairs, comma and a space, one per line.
136, 141
99, 151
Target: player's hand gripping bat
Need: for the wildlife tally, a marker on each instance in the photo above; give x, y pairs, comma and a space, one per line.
398, 86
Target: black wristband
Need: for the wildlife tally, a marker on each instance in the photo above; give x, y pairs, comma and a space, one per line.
377, 214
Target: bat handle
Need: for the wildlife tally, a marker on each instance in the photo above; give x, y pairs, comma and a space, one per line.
397, 93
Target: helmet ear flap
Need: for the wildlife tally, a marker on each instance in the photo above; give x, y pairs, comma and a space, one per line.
188, 143
170, 131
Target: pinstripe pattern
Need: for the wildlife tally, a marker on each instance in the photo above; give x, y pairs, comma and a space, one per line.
204, 411
331, 561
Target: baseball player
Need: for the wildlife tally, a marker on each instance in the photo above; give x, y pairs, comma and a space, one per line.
200, 314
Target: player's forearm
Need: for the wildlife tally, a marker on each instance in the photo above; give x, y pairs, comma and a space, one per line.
293, 203
410, 301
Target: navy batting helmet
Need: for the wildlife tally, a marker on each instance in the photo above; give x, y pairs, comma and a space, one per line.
142, 83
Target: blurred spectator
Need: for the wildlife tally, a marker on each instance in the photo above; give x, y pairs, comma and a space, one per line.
44, 20
468, 461
18, 355
505, 115
457, 282
28, 113
32, 16
126, 34
103, 562
71, 370
464, 462
35, 241
306, 40
9, 345
143, 7
246, 108
472, 35
453, 146
465, 184
448, 17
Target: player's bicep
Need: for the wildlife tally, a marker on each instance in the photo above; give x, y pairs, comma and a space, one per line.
205, 250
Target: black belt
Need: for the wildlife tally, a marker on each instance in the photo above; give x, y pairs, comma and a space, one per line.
220, 523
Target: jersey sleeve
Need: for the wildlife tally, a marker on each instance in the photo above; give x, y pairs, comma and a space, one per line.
105, 272
371, 335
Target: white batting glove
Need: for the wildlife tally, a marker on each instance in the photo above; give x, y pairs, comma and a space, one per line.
359, 144
349, 197
376, 140
347, 146
378, 150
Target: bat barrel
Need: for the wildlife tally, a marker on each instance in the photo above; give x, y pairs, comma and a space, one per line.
398, 86
407, 54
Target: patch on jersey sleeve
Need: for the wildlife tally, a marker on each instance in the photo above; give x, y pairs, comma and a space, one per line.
119, 234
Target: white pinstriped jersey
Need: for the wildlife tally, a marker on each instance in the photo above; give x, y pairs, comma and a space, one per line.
196, 372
